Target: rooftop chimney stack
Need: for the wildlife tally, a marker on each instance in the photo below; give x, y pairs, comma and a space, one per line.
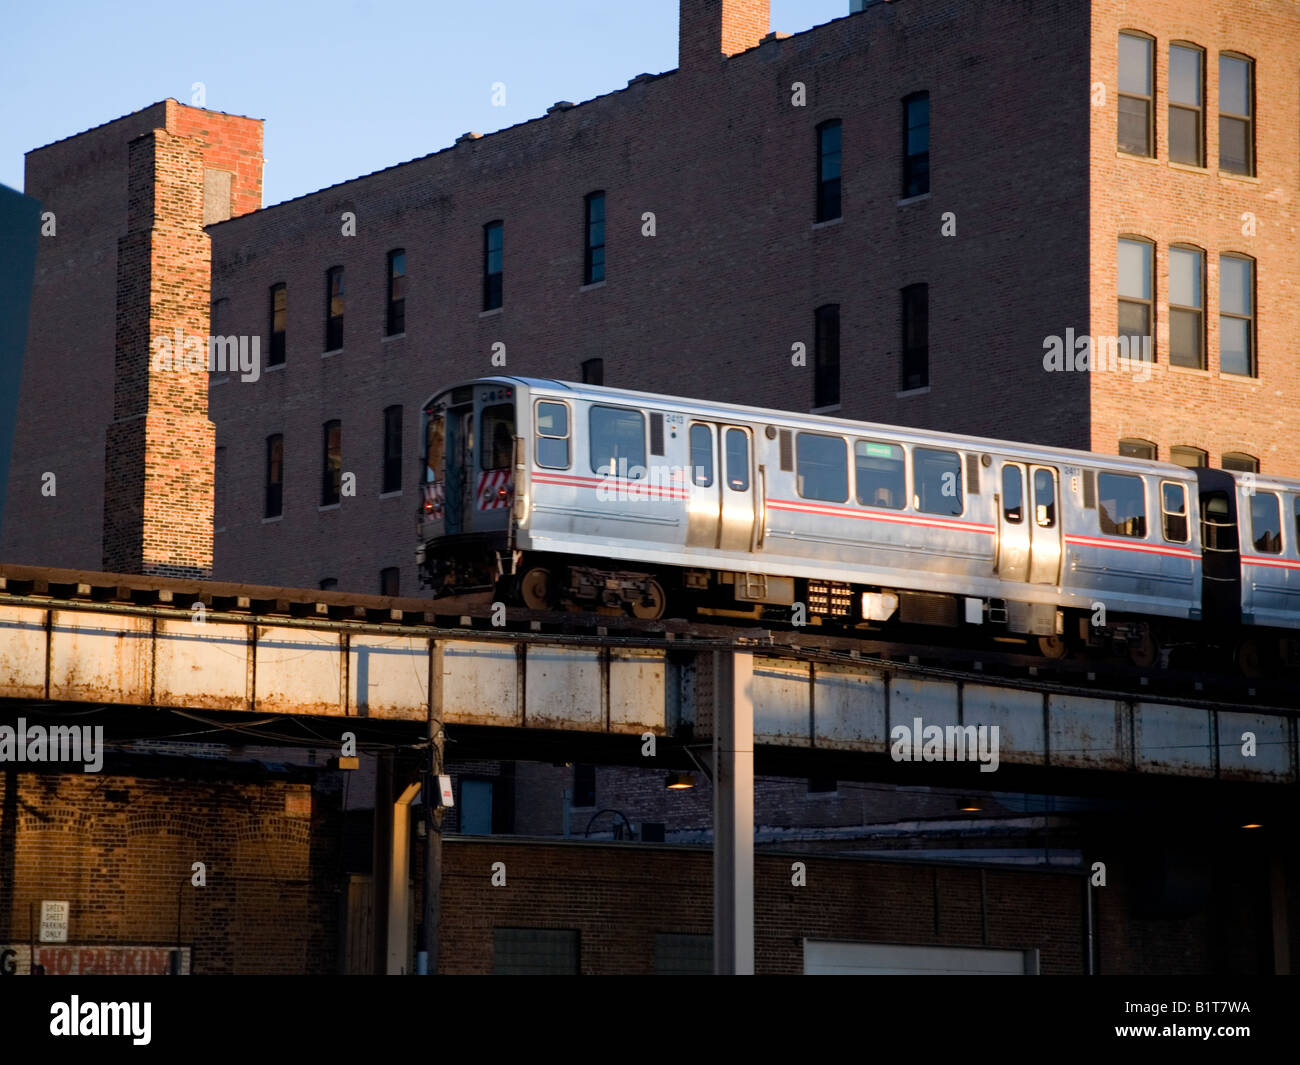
711, 30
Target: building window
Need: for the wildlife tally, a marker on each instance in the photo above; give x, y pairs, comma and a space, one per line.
584, 785
593, 371
916, 144
1241, 463
535, 952
1187, 307
617, 440
329, 584
274, 476
476, 807
1191, 457
493, 245
392, 474
1136, 133
1121, 505
1237, 315
1136, 261
826, 355
390, 580
1186, 105
828, 170
334, 308
279, 316
497, 444
822, 785
332, 465
396, 292
682, 954
1137, 449
593, 268
823, 468
1236, 115
916, 336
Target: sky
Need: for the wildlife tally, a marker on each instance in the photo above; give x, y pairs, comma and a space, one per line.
345, 87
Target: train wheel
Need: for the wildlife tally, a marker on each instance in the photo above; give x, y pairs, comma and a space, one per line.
1145, 652
1249, 658
1053, 646
537, 588
652, 605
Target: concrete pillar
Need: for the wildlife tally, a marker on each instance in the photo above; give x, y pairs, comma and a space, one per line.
733, 813
399, 883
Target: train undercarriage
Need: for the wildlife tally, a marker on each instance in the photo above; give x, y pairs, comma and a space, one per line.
569, 583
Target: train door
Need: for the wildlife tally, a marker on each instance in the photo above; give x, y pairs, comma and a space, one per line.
460, 468
721, 504
1029, 528
1045, 528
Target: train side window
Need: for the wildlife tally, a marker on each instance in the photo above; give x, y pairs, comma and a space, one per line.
881, 481
1013, 495
737, 460
1173, 511
617, 441
498, 437
1044, 499
1121, 505
936, 480
552, 435
701, 455
1266, 523
822, 466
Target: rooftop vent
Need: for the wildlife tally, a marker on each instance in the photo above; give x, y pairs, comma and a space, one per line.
468, 137
560, 105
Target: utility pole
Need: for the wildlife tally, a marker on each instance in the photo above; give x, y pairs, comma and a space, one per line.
433, 813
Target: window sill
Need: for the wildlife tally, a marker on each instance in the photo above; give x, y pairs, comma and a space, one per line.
391, 495
492, 313
271, 521
273, 366
593, 285
1193, 371
329, 506
829, 409
912, 392
215, 379
1137, 158
1247, 178
327, 354
1238, 378
393, 336
1190, 168
828, 223
913, 199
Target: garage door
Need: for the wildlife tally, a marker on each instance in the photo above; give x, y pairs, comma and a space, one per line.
830, 958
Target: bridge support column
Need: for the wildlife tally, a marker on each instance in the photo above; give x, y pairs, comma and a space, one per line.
1277, 896
733, 813
391, 882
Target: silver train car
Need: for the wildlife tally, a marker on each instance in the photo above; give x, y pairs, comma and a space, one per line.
561, 495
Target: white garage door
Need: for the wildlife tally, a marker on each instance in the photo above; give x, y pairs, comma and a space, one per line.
829, 958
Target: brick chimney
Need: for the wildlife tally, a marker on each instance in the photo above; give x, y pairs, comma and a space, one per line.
158, 478
710, 30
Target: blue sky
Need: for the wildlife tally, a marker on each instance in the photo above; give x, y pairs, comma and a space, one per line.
345, 86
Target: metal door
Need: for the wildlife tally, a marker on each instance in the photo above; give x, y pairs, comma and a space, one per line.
1013, 530
460, 469
1045, 531
720, 507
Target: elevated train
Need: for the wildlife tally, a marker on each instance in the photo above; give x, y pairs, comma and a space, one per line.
568, 496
